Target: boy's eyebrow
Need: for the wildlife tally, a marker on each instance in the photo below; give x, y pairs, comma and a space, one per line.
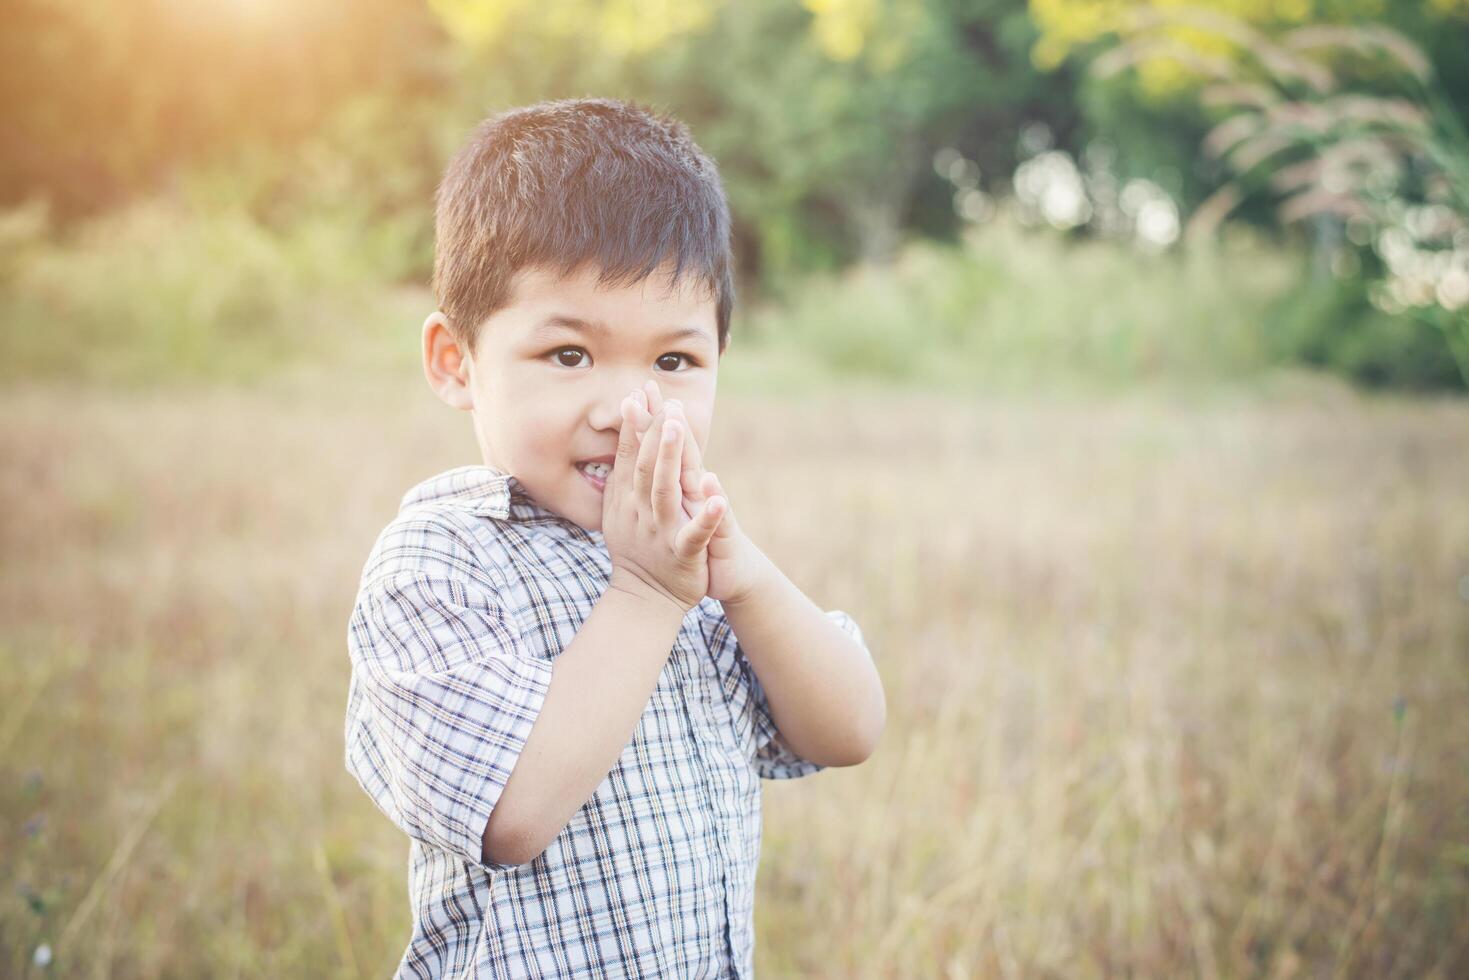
551, 323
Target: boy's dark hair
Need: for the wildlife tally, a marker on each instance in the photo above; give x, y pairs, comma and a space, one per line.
559, 184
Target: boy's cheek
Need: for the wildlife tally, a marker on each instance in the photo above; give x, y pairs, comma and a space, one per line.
700, 417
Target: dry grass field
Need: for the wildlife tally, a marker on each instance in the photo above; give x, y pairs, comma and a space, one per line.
1177, 686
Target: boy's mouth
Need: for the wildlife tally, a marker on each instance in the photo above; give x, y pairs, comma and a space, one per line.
595, 473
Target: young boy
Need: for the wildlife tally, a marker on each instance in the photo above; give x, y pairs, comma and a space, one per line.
570, 668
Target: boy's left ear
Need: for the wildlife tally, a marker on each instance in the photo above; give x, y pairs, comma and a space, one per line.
444, 363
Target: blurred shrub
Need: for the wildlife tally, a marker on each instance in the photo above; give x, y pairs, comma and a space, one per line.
1351, 130
1019, 307
236, 269
147, 290
162, 289
192, 287
355, 200
1332, 324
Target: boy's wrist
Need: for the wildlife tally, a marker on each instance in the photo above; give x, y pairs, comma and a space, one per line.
651, 600
762, 578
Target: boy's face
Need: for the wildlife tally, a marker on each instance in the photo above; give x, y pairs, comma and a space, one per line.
550, 370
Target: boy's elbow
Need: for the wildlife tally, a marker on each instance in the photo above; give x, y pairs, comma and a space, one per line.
852, 754
865, 748
857, 749
866, 743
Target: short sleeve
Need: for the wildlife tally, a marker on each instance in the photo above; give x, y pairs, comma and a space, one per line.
441, 702
774, 759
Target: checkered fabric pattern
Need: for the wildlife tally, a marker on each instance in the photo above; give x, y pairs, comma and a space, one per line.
466, 599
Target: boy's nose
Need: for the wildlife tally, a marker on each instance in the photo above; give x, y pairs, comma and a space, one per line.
606, 412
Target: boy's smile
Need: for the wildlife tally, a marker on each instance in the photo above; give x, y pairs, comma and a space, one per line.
550, 369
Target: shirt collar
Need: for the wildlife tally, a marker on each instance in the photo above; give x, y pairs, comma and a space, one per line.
487, 492
484, 490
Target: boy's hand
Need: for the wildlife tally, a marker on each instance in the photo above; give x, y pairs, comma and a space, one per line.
657, 551
735, 563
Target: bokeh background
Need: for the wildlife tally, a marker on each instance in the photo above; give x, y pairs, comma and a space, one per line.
1106, 360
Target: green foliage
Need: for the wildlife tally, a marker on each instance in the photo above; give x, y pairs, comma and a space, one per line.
173, 292
148, 290
823, 135
1185, 51
1017, 308
1391, 159
259, 175
240, 268
164, 290
1154, 114
1330, 323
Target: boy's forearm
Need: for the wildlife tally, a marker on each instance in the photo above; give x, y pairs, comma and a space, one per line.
600, 685
825, 693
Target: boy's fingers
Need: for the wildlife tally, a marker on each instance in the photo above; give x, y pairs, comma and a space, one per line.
667, 494
654, 396
691, 464
642, 418
689, 480
627, 452
713, 488
694, 536
642, 483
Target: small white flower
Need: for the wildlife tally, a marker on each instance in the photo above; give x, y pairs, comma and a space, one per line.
43, 955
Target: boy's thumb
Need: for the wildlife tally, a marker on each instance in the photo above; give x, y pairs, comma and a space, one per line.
716, 489
694, 536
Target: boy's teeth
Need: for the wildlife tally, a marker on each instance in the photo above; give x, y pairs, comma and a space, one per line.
596, 469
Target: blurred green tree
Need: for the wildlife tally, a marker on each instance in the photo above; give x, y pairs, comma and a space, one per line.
1333, 124
823, 116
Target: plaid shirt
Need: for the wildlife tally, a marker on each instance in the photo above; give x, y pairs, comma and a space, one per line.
466, 599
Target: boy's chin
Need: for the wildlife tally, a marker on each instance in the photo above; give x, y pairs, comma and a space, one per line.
586, 518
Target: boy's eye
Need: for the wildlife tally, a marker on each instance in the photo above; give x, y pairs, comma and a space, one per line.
686, 359
572, 357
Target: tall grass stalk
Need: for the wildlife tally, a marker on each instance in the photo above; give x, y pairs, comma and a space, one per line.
1298, 132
